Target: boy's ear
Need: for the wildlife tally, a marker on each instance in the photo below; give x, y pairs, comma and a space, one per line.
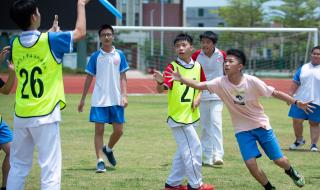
33, 18
241, 66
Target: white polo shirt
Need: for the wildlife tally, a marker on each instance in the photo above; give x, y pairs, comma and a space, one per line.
212, 67
107, 68
308, 79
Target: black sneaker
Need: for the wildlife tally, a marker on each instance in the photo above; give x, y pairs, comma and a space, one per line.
109, 156
297, 178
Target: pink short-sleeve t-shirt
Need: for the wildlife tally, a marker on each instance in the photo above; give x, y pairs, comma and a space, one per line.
242, 101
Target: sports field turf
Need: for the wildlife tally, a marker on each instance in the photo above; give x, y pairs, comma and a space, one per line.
146, 149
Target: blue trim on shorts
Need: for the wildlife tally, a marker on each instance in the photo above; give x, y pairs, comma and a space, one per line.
110, 114
5, 133
297, 113
247, 141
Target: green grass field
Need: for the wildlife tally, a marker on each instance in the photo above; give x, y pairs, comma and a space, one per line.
146, 149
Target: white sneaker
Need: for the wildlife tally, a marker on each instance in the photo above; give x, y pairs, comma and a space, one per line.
297, 144
314, 148
207, 163
218, 162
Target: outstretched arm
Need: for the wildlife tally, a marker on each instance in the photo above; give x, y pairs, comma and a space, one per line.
81, 26
175, 75
290, 100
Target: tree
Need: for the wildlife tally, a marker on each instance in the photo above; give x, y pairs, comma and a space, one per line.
243, 13
297, 13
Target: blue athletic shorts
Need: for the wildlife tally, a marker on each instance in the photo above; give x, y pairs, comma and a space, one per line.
298, 113
110, 114
248, 140
5, 133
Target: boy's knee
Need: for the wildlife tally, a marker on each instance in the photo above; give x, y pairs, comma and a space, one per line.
282, 160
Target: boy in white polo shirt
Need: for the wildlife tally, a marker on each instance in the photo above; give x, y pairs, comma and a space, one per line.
211, 60
240, 93
109, 96
305, 87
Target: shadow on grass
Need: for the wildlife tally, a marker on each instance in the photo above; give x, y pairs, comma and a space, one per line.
108, 168
298, 150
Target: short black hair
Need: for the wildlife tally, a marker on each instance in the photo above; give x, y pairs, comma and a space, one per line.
314, 48
210, 35
239, 55
105, 26
183, 37
21, 12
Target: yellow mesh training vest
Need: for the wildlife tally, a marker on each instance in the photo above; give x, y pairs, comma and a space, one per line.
40, 83
180, 97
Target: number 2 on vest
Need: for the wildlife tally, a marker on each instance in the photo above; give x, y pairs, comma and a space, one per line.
33, 82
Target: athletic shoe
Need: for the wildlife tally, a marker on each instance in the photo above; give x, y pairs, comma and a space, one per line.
207, 163
109, 156
297, 144
314, 148
218, 162
101, 167
179, 187
202, 187
297, 178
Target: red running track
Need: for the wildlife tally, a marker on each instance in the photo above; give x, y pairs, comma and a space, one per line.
73, 84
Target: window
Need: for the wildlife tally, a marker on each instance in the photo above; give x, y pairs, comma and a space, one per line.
136, 19
221, 24
200, 12
200, 24
124, 19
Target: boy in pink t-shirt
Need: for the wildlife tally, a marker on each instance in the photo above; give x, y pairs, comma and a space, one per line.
240, 93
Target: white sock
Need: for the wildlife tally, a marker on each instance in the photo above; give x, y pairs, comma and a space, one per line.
108, 149
99, 160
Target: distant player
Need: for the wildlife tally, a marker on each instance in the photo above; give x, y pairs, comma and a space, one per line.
211, 59
5, 133
109, 97
183, 115
40, 93
240, 93
305, 87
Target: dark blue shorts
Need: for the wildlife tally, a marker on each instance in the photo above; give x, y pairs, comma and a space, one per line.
110, 114
298, 113
248, 140
5, 133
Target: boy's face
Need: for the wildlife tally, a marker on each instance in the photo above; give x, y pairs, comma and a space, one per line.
207, 45
232, 65
315, 57
183, 49
106, 37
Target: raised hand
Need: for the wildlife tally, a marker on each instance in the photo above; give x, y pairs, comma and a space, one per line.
173, 75
10, 66
4, 52
55, 25
83, 1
